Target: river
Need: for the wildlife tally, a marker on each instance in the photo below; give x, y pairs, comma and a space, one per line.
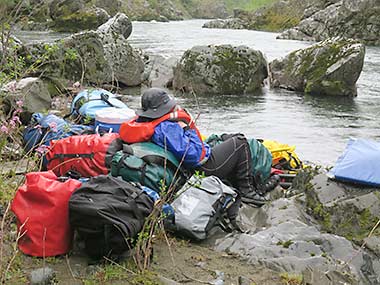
319, 127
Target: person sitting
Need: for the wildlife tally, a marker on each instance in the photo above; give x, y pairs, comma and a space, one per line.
175, 130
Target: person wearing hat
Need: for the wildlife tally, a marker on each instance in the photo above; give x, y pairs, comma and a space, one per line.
172, 128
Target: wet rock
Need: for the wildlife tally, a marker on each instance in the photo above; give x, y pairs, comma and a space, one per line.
373, 244
87, 19
234, 23
313, 276
126, 63
32, 91
290, 240
62, 8
97, 57
74, 16
331, 67
223, 69
159, 71
118, 25
343, 209
356, 19
42, 276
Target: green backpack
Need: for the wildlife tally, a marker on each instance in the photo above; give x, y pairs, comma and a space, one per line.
261, 157
150, 165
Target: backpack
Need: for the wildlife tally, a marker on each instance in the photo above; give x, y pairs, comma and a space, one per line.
261, 157
44, 128
87, 102
40, 206
108, 213
283, 156
86, 155
150, 165
200, 205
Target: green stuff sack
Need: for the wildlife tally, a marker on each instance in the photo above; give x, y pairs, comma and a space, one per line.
261, 156
148, 164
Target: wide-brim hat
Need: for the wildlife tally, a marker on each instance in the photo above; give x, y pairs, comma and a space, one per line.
155, 103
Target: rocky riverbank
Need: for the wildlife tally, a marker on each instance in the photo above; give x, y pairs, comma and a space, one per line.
317, 232
74, 16
312, 20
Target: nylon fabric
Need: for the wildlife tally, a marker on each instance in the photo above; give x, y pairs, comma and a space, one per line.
88, 155
199, 205
148, 164
359, 163
40, 206
108, 214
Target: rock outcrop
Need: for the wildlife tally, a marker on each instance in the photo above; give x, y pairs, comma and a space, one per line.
331, 67
358, 19
220, 69
288, 235
99, 57
159, 71
233, 23
33, 94
75, 16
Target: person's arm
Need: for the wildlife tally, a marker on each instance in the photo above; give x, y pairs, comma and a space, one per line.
183, 143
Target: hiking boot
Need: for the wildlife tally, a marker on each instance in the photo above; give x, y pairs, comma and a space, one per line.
254, 198
270, 184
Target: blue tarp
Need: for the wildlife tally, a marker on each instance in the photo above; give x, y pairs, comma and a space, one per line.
360, 163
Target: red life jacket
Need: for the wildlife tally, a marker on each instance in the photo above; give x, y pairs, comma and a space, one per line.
134, 132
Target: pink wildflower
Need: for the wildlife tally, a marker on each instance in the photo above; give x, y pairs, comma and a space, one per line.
4, 129
12, 124
42, 150
53, 127
39, 127
16, 119
19, 103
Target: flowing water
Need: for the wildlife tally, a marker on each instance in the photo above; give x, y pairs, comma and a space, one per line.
319, 127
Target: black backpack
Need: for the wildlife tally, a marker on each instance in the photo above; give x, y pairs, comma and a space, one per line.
108, 213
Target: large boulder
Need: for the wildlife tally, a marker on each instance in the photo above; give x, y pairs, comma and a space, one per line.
33, 94
126, 62
331, 67
358, 19
223, 69
99, 57
159, 71
74, 16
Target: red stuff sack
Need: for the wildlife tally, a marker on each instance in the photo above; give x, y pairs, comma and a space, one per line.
86, 155
42, 211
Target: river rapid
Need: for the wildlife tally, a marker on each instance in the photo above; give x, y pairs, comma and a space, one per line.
319, 127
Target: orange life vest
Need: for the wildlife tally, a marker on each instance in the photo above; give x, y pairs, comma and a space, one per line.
134, 132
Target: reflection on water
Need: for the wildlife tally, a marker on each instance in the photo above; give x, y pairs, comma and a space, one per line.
319, 126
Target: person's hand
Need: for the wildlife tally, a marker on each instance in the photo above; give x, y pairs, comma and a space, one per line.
182, 124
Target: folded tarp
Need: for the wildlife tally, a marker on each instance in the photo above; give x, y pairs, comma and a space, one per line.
360, 163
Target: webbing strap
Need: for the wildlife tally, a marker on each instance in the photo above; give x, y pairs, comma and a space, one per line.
62, 156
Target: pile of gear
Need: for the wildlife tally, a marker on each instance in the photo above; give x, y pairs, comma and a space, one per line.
96, 184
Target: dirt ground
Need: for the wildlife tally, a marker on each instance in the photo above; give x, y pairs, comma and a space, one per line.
182, 262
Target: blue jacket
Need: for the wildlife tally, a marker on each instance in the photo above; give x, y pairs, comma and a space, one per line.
181, 143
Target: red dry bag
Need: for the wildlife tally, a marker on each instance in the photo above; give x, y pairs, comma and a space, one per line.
41, 208
87, 155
